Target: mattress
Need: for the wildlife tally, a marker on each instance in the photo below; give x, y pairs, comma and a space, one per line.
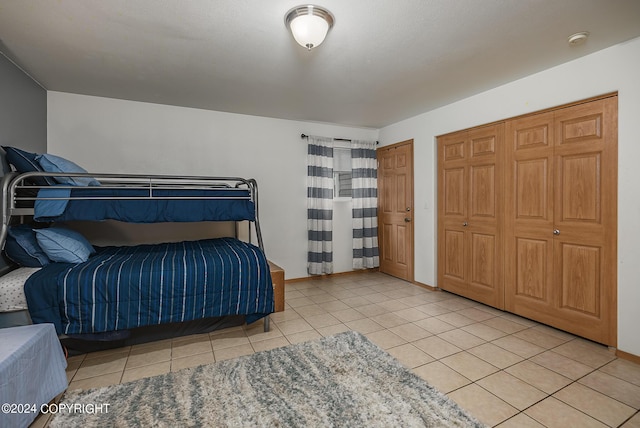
12, 296
136, 206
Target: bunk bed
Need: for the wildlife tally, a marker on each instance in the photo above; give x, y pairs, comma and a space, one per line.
131, 294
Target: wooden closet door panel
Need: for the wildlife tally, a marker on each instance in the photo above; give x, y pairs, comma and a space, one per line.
483, 261
455, 200
482, 204
470, 212
486, 214
561, 219
533, 270
453, 257
529, 214
453, 152
585, 216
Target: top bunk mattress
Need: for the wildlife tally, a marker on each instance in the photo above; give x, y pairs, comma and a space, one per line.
134, 205
53, 188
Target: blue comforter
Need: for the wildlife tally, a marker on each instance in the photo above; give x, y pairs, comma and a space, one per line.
134, 206
121, 288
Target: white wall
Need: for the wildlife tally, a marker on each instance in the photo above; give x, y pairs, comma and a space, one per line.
613, 69
109, 135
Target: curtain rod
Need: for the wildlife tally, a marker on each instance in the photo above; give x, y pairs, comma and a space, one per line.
303, 136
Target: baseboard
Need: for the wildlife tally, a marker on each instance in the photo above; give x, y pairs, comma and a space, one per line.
332, 275
627, 356
428, 287
329, 275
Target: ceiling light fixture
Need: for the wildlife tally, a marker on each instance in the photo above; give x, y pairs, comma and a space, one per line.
309, 24
578, 38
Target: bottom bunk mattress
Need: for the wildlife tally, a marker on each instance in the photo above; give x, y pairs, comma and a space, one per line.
120, 288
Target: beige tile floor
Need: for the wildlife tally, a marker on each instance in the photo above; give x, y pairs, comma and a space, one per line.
506, 370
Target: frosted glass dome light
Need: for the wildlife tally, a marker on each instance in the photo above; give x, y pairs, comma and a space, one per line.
309, 25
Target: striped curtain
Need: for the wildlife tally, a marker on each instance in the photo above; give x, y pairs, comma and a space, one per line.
320, 205
364, 170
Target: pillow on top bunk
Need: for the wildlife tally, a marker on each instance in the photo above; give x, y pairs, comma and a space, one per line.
24, 161
22, 247
64, 245
53, 163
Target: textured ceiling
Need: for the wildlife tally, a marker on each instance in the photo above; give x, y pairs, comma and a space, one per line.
383, 61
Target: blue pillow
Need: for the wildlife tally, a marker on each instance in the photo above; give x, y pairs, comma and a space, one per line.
64, 245
52, 163
22, 247
26, 162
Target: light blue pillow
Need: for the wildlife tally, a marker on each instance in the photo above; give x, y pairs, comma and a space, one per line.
53, 163
64, 245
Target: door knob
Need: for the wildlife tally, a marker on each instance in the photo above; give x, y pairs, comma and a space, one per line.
465, 224
407, 219
556, 232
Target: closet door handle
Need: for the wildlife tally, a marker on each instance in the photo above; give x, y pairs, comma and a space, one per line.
465, 224
407, 219
556, 232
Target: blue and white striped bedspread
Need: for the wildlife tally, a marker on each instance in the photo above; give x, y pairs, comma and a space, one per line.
125, 287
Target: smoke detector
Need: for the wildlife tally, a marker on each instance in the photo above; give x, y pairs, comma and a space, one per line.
578, 38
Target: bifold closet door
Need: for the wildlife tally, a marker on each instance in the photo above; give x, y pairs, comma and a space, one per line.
561, 219
470, 214
529, 278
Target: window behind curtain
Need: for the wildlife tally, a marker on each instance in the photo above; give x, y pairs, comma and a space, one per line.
342, 172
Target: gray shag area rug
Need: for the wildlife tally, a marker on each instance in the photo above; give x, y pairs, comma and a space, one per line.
342, 380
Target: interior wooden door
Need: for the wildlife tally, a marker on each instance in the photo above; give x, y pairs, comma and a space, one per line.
395, 209
562, 232
470, 213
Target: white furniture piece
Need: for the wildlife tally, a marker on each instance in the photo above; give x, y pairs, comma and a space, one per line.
32, 372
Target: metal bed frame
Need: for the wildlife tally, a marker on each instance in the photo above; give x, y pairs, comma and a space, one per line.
15, 188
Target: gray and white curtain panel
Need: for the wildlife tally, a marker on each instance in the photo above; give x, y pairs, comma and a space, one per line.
320, 205
364, 183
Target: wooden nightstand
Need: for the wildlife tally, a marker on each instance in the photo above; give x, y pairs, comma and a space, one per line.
277, 277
